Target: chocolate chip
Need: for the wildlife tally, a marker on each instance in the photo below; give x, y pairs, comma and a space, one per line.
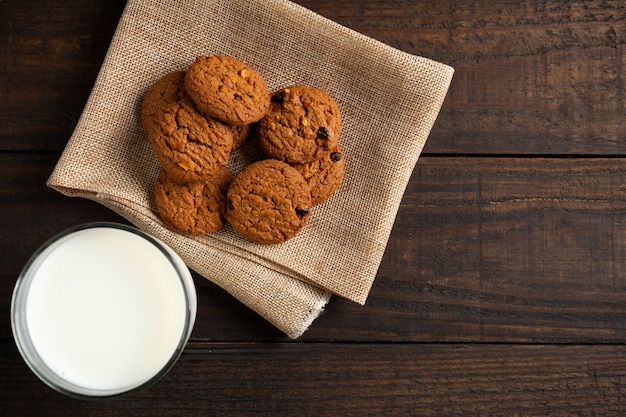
302, 211
237, 96
278, 97
322, 133
335, 156
230, 204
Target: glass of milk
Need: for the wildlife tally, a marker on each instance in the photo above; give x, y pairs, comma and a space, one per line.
102, 310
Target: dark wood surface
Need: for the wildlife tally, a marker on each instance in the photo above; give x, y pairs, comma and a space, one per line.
503, 287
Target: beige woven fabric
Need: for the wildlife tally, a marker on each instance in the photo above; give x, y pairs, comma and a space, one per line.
389, 101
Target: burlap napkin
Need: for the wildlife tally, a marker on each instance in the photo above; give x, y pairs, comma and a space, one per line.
389, 101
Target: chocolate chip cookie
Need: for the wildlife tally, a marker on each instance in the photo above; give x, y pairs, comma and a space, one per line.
301, 121
189, 146
268, 202
227, 89
324, 174
193, 208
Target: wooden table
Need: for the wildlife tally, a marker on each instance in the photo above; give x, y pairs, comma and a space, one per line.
503, 287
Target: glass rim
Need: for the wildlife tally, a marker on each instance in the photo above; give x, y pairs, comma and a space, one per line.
32, 357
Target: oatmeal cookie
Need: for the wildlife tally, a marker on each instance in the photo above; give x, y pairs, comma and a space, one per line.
195, 207
189, 146
227, 89
241, 133
166, 90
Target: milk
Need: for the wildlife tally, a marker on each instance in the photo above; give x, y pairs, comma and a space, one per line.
106, 310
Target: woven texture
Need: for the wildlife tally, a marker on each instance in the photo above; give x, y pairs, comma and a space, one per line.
389, 101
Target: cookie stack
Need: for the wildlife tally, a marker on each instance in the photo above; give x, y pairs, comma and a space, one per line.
195, 119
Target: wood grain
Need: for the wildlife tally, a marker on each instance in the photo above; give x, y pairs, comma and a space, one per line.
50, 55
483, 250
532, 77
322, 379
542, 78
503, 287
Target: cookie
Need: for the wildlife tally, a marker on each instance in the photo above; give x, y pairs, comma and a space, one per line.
324, 174
166, 90
268, 202
189, 146
241, 133
301, 121
227, 89
192, 208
